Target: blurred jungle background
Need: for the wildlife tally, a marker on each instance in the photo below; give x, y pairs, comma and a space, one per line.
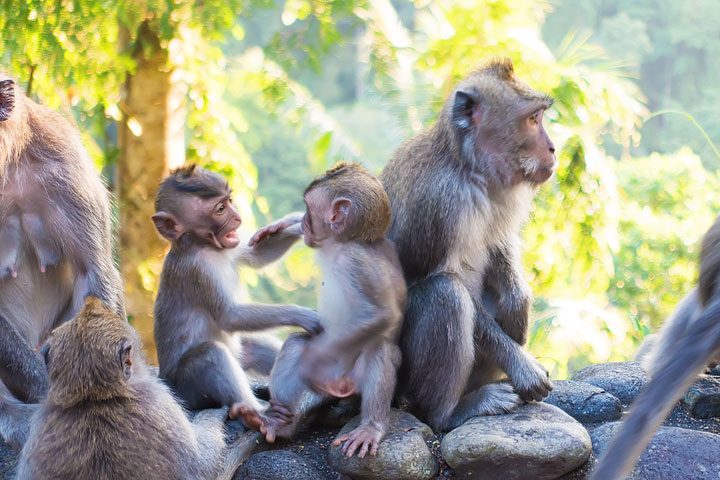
270, 93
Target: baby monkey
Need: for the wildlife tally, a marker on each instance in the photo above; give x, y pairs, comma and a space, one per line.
361, 304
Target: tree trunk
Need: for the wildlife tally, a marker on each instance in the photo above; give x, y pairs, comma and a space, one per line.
152, 142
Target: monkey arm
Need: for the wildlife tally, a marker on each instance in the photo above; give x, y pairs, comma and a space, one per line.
504, 278
678, 369
258, 316
271, 242
21, 369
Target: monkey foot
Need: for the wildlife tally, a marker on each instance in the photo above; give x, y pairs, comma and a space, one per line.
249, 416
274, 418
366, 438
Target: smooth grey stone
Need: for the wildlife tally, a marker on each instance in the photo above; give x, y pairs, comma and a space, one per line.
402, 454
624, 380
584, 402
538, 441
674, 453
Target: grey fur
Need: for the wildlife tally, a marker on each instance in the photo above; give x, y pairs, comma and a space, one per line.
199, 319
457, 214
55, 241
119, 424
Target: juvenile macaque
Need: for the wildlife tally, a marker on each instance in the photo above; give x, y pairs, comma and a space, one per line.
695, 341
106, 417
459, 193
55, 244
361, 305
198, 312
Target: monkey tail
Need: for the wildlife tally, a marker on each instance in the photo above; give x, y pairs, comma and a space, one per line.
679, 369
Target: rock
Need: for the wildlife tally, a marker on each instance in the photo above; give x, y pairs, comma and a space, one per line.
584, 402
402, 455
624, 380
338, 414
538, 441
277, 464
676, 453
703, 397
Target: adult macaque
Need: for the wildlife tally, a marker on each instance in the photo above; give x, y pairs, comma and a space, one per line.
361, 304
198, 315
55, 244
695, 341
107, 417
459, 193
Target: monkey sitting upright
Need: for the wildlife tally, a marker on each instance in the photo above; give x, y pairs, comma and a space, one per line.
106, 417
459, 193
198, 314
361, 304
55, 245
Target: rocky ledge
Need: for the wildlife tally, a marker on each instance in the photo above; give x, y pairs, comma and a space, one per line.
559, 438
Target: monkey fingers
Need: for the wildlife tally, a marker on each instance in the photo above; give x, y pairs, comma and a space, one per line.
533, 384
365, 437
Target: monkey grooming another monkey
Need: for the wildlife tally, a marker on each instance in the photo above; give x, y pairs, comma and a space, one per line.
695, 341
198, 312
106, 417
361, 305
459, 193
55, 245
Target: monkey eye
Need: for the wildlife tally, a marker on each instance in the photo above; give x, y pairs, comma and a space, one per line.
220, 207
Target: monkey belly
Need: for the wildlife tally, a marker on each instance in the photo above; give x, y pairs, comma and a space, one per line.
34, 301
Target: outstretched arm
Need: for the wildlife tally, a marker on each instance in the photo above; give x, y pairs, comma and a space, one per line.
271, 242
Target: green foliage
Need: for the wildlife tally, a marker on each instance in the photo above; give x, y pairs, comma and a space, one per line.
276, 91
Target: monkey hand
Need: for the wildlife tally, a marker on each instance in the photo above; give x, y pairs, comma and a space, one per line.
366, 437
531, 380
308, 320
284, 224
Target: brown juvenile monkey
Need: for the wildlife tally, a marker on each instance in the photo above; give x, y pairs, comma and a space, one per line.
459, 193
55, 244
106, 417
198, 312
361, 305
695, 341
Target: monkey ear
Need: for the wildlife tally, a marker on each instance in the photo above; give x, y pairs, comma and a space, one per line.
464, 109
125, 358
7, 99
338, 215
168, 225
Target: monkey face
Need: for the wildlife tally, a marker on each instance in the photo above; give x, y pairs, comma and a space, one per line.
537, 152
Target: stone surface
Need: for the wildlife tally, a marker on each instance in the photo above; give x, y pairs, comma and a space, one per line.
624, 380
539, 441
703, 397
584, 402
402, 455
277, 464
674, 453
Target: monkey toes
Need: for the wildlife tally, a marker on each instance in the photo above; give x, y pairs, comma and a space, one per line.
366, 438
249, 416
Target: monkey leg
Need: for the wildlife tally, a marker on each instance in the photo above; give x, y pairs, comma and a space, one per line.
259, 353
496, 348
377, 367
437, 347
22, 371
15, 418
209, 376
289, 391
